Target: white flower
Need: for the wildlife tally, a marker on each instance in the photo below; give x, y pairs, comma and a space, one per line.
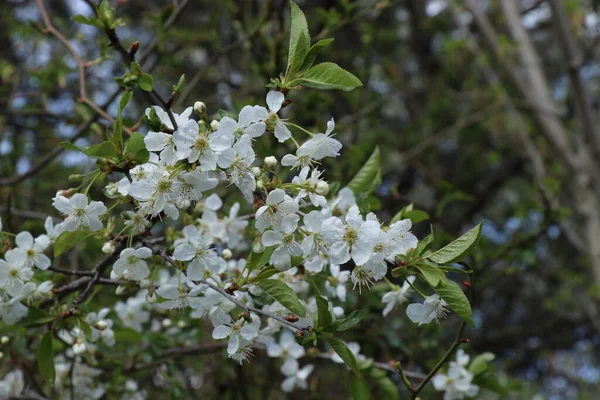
238, 160
341, 237
13, 383
190, 185
397, 296
131, 313
287, 247
240, 333
53, 231
313, 243
79, 213
107, 335
273, 123
13, 311
199, 145
286, 348
276, 207
131, 264
180, 292
309, 186
164, 143
157, 190
32, 251
14, 272
198, 251
316, 148
136, 221
215, 306
295, 377
432, 308
337, 286
457, 383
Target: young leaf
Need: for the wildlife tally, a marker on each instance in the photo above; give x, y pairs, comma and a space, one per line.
480, 363
68, 240
146, 82
324, 318
365, 177
409, 212
425, 243
313, 52
457, 249
299, 40
328, 76
125, 99
71, 146
179, 87
257, 260
433, 275
283, 294
102, 150
45, 358
354, 318
359, 389
456, 299
344, 352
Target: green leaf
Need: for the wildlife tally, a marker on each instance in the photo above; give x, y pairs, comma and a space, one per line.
80, 19
432, 274
299, 41
313, 52
425, 243
45, 358
354, 318
456, 299
128, 336
409, 212
179, 87
146, 82
36, 317
328, 76
283, 294
258, 260
359, 389
102, 150
344, 352
125, 99
71, 146
365, 177
480, 363
457, 249
136, 148
68, 240
324, 318
388, 387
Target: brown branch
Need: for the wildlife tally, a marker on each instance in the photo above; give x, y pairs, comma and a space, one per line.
176, 352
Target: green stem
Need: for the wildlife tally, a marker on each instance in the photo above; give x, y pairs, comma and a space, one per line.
457, 341
416, 290
301, 128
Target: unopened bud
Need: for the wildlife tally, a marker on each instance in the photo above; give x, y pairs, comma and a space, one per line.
258, 247
467, 284
181, 324
79, 348
151, 297
120, 290
270, 162
108, 247
4, 340
184, 203
100, 325
144, 283
166, 323
227, 254
256, 172
199, 107
63, 192
299, 332
214, 125
260, 185
291, 318
134, 48
322, 188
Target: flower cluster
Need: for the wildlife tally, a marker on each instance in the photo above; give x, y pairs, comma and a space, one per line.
298, 231
457, 382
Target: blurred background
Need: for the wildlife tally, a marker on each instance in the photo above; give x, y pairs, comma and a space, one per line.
483, 111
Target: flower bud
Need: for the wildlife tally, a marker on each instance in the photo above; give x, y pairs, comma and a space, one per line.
151, 297
108, 247
256, 172
214, 125
120, 290
144, 283
4, 340
258, 247
322, 188
100, 325
79, 348
199, 107
167, 323
270, 162
227, 254
184, 204
181, 324
260, 185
